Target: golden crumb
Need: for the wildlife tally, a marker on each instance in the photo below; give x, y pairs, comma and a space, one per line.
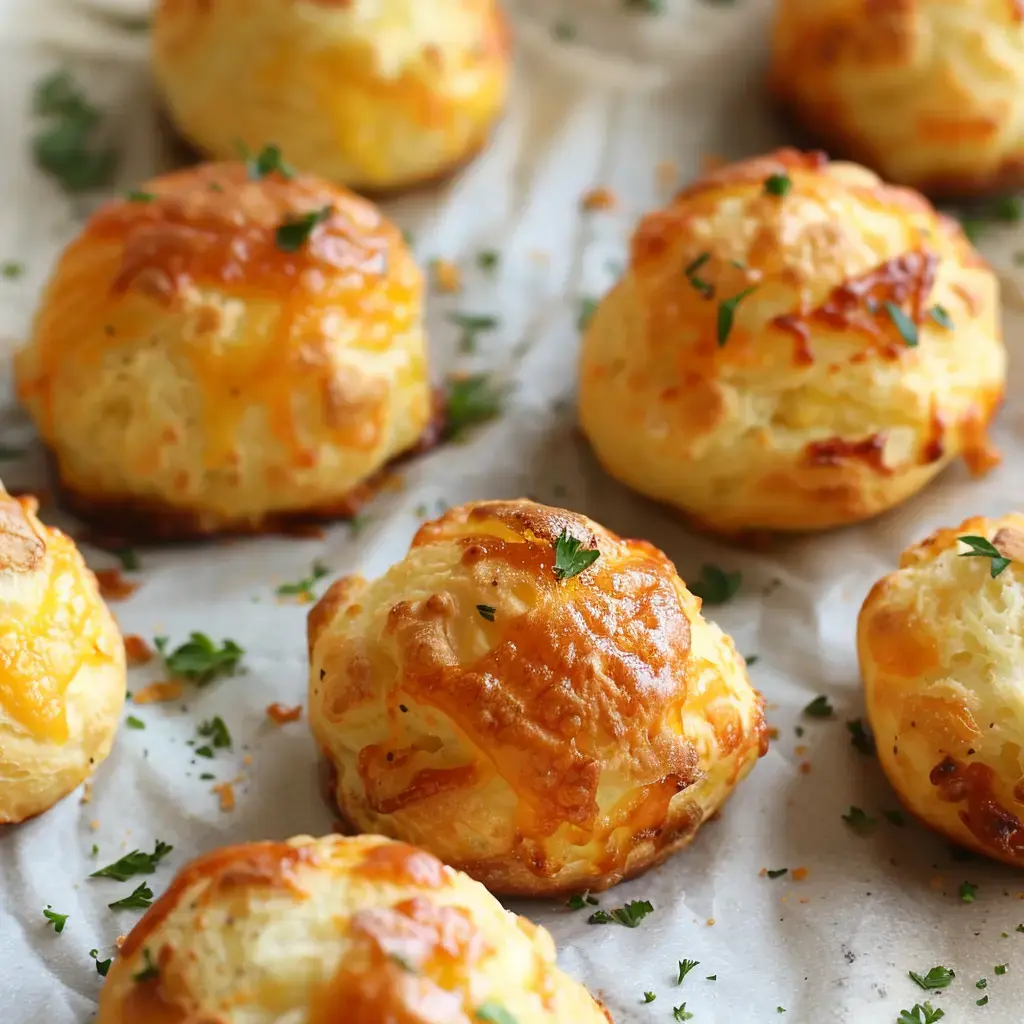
94, 824
86, 792
805, 767
447, 276
280, 713
226, 792
800, 749
773, 733
113, 585
539, 256
762, 873
137, 650
247, 760
119, 941
599, 199
158, 693
710, 921
799, 874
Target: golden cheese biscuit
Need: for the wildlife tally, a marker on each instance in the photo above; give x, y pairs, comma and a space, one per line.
929, 93
336, 931
941, 646
62, 665
543, 732
793, 346
373, 94
223, 351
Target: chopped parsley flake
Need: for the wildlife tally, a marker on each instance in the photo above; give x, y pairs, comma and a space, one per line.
578, 902
102, 966
727, 313
12, 269
564, 31
941, 316
629, 916
134, 723
716, 586
983, 1001
587, 309
304, 587
981, 547
777, 872
860, 739
494, 1013
860, 822
136, 196
968, 892
698, 284
819, 708
920, 1015
486, 611
571, 557
471, 400
981, 983
778, 184
66, 148
685, 966
293, 232
200, 659
897, 818
134, 863
488, 260
904, 324
472, 325
681, 1013
129, 558
149, 970
937, 977
216, 731
139, 899
711, 977
646, 6
268, 161
649, 997
57, 920
1000, 968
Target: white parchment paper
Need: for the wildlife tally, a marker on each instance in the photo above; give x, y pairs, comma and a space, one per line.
626, 93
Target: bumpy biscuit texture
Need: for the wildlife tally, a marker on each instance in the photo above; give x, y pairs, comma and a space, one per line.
544, 735
226, 349
62, 665
941, 644
374, 94
929, 93
336, 931
794, 345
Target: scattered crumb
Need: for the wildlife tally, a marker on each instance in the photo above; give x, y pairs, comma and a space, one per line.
158, 693
539, 256
804, 899
667, 174
710, 921
805, 767
281, 714
86, 792
937, 882
113, 585
393, 482
226, 792
773, 733
762, 873
247, 760
94, 824
137, 650
120, 940
599, 199
447, 276
800, 750
799, 874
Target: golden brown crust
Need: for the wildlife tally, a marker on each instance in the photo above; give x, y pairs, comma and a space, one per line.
940, 644
531, 693
796, 360
254, 348
334, 931
926, 93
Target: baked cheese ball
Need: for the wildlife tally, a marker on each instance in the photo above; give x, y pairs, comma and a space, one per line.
373, 94
336, 931
62, 665
793, 346
229, 348
941, 646
533, 699
929, 93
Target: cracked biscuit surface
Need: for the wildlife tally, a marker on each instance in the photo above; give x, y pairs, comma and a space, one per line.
544, 735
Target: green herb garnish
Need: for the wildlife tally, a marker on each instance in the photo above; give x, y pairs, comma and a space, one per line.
716, 586
571, 557
861, 823
134, 723
57, 920
150, 970
778, 184
629, 916
777, 872
904, 324
690, 272
981, 547
587, 309
200, 659
920, 1015
494, 1013
1000, 968
216, 731
470, 401
649, 997
135, 863
727, 313
472, 325
681, 1013
685, 966
295, 231
486, 611
937, 977
102, 966
12, 269
304, 587
819, 708
140, 898
488, 260
968, 892
860, 739
268, 161
941, 316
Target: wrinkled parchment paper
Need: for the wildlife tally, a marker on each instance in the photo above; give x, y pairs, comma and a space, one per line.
628, 92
